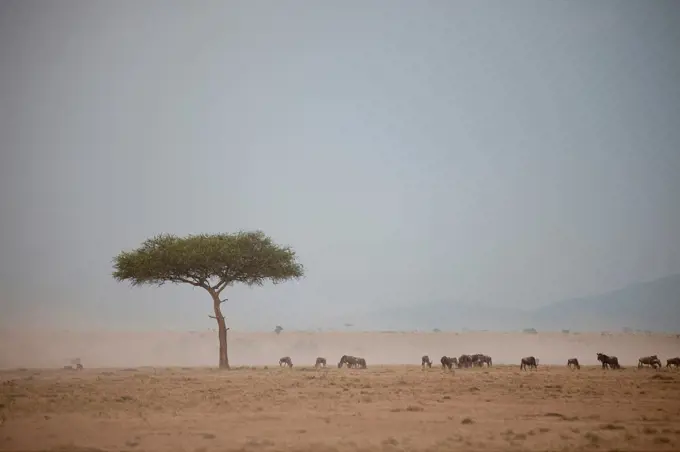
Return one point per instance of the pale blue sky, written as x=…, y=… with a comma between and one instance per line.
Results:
x=505, y=153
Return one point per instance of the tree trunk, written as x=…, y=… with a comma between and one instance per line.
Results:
x=221, y=331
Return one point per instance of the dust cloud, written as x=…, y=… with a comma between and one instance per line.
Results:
x=45, y=349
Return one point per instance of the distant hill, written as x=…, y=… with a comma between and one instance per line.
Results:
x=652, y=305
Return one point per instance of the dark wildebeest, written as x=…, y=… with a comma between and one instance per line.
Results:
x=608, y=361
x=465, y=361
x=652, y=361
x=320, y=362
x=573, y=362
x=361, y=362
x=447, y=362
x=351, y=361
x=286, y=361
x=528, y=363
x=673, y=362
x=425, y=361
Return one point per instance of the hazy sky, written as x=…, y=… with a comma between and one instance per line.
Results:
x=506, y=153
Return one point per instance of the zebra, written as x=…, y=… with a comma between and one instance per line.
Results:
x=448, y=362
x=320, y=362
x=286, y=361
x=465, y=361
x=425, y=361
x=484, y=359
x=351, y=361
x=477, y=359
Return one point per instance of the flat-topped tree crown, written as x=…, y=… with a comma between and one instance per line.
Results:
x=210, y=261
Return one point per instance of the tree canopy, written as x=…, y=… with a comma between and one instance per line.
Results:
x=210, y=261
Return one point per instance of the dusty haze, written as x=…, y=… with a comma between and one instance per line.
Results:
x=56, y=349
x=440, y=164
x=509, y=154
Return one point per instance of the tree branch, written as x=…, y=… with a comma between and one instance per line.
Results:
x=220, y=286
x=188, y=281
x=213, y=317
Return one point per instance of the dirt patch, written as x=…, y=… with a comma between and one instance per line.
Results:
x=380, y=408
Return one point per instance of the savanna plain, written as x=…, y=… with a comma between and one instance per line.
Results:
x=130, y=397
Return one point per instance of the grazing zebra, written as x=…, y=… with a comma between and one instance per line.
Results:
x=528, y=363
x=320, y=362
x=573, y=363
x=425, y=361
x=484, y=359
x=286, y=361
x=478, y=359
x=351, y=361
x=465, y=361
x=448, y=362
x=652, y=361
x=608, y=361
x=673, y=362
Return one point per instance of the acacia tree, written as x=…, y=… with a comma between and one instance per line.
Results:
x=212, y=262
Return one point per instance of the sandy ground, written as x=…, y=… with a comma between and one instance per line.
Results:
x=129, y=398
x=388, y=408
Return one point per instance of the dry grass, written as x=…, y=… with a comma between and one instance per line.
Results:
x=390, y=408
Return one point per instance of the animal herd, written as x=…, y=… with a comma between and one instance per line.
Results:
x=478, y=360
x=652, y=361
x=345, y=360
x=464, y=361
